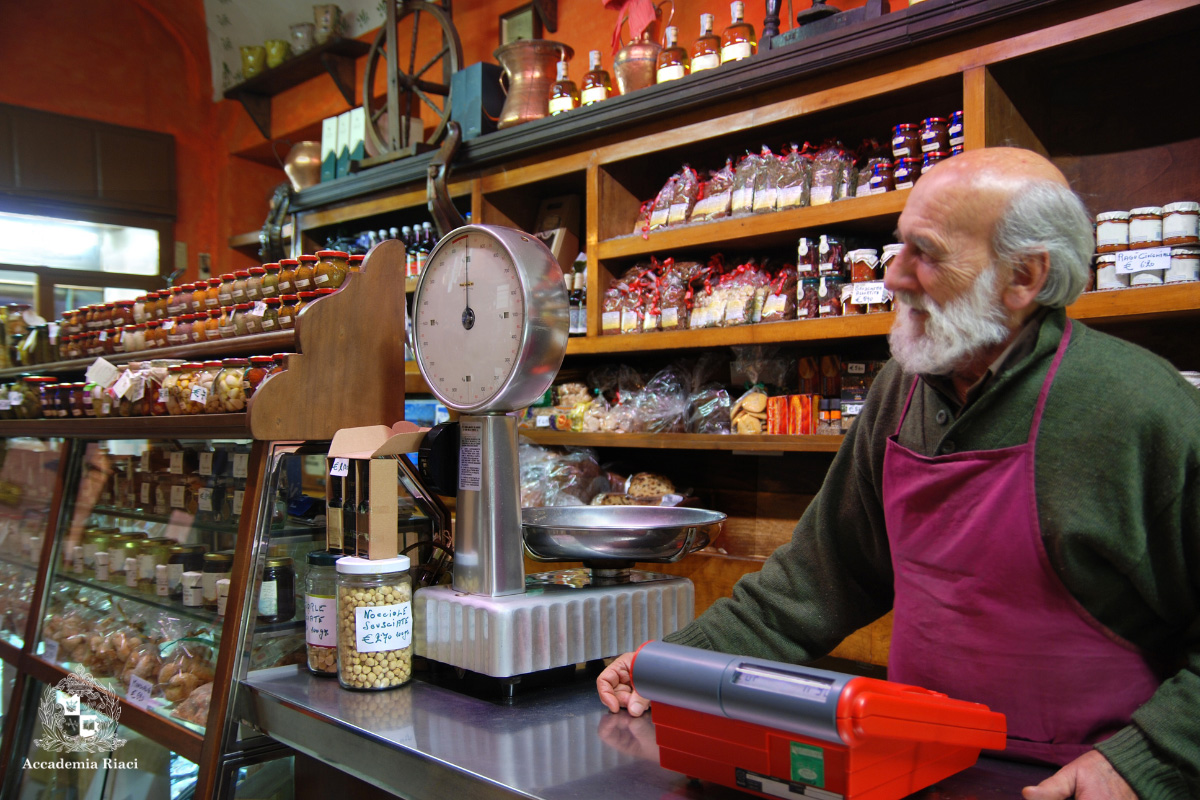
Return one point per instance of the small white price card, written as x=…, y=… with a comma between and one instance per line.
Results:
x=138, y=390
x=379, y=628
x=177, y=463
x=341, y=468
x=101, y=372
x=205, y=467
x=145, y=493
x=240, y=463
x=122, y=385
x=177, y=497
x=50, y=651
x=320, y=614
x=15, y=399
x=204, y=500
x=139, y=693
x=1152, y=258
x=869, y=292
x=259, y=309
x=199, y=394
x=238, y=496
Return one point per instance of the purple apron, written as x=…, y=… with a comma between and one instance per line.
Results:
x=979, y=612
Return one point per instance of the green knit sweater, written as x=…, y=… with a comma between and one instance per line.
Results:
x=1118, y=494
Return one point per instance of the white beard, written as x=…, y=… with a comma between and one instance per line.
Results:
x=954, y=334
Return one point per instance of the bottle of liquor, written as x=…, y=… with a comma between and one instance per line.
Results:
x=673, y=62
x=425, y=246
x=706, y=52
x=564, y=95
x=597, y=85
x=579, y=298
x=738, y=40
x=410, y=251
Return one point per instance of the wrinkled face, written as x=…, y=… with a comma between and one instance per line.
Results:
x=948, y=291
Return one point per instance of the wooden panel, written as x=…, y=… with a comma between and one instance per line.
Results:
x=1151, y=176
x=759, y=521
x=349, y=367
x=989, y=117
x=56, y=157
x=204, y=426
x=408, y=197
x=136, y=169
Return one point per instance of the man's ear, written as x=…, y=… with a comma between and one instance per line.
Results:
x=1026, y=280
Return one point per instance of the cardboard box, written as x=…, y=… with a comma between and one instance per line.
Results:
x=558, y=228
x=476, y=99
x=358, y=135
x=366, y=461
x=343, y=144
x=328, y=149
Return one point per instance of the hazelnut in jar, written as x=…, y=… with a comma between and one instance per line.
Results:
x=1145, y=228
x=1112, y=231
x=374, y=597
x=1181, y=224
x=305, y=273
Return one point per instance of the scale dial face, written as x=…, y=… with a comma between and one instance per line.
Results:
x=489, y=319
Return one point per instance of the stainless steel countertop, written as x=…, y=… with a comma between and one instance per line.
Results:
x=426, y=741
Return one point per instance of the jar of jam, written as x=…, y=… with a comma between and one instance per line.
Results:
x=332, y=267
x=906, y=171
x=1181, y=224
x=829, y=295
x=831, y=256
x=864, y=265
x=241, y=325
x=139, y=311
x=75, y=400
x=890, y=251
x=270, y=318
x=212, y=326
x=122, y=313
x=906, y=141
x=957, y=139
x=881, y=179
x=254, y=284
x=1112, y=231
x=180, y=559
x=39, y=388
x=270, y=281
x=216, y=567
x=287, y=276
x=226, y=327
x=277, y=592
x=355, y=262
x=256, y=373
x=935, y=135
x=238, y=291
x=212, y=295
x=199, y=295
x=225, y=290
x=1145, y=229
x=306, y=273
x=1185, y=265
x=933, y=158
x=155, y=337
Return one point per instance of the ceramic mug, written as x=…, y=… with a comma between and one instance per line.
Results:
x=254, y=58
x=328, y=21
x=277, y=52
x=302, y=37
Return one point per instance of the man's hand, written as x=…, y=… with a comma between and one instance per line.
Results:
x=1089, y=777
x=615, y=686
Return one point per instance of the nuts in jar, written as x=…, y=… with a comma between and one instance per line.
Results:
x=374, y=609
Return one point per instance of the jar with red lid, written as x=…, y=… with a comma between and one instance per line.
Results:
x=212, y=326
x=906, y=171
x=241, y=324
x=256, y=373
x=139, y=309
x=196, y=328
x=933, y=158
x=122, y=313
x=287, y=276
x=152, y=312
x=225, y=327
x=270, y=280
x=42, y=388
x=75, y=401
x=906, y=141
x=240, y=277
x=332, y=267
x=139, y=338
x=254, y=284
x=199, y=295
x=287, y=311
x=94, y=346
x=305, y=298
x=175, y=302
x=113, y=343
x=355, y=262
x=305, y=273
x=153, y=332
x=881, y=179
x=269, y=322
x=225, y=290
x=62, y=400
x=324, y=293
x=935, y=135
x=181, y=334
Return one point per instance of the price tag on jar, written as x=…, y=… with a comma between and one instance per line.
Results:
x=1152, y=258
x=50, y=651
x=177, y=463
x=4, y=404
x=15, y=399
x=101, y=372
x=140, y=691
x=869, y=293
x=379, y=628
x=205, y=467
x=238, y=496
x=240, y=462
x=341, y=468
x=138, y=390
x=177, y=494
x=259, y=309
x=123, y=383
x=199, y=394
x=103, y=336
x=164, y=395
x=204, y=500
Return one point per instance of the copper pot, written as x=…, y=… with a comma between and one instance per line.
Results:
x=529, y=67
x=635, y=62
x=303, y=165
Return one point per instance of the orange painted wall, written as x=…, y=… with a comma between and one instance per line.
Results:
x=140, y=63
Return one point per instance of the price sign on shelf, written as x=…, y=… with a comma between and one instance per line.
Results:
x=1153, y=258
x=177, y=463
x=869, y=292
x=341, y=468
x=139, y=693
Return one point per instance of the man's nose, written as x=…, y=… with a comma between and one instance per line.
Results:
x=900, y=274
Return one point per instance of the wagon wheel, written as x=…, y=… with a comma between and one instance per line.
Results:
x=409, y=84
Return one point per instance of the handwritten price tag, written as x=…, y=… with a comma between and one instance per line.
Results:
x=50, y=651
x=869, y=292
x=101, y=372
x=139, y=693
x=341, y=468
x=199, y=394
x=320, y=613
x=379, y=628
x=1131, y=261
x=204, y=501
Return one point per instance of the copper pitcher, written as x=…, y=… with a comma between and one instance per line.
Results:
x=636, y=62
x=529, y=67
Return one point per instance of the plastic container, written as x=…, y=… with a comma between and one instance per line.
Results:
x=374, y=608
x=320, y=612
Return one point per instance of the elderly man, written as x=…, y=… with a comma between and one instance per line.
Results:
x=1022, y=490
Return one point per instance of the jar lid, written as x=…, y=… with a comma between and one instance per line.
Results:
x=39, y=379
x=235, y=362
x=290, y=297
x=279, y=358
x=936, y=154
x=154, y=323
x=307, y=258
x=905, y=126
x=1109, y=216
x=218, y=558
x=1107, y=258
x=228, y=276
x=272, y=301
x=353, y=565
x=322, y=558
x=288, y=262
x=187, y=549
x=214, y=313
x=1146, y=210
x=257, y=271
x=279, y=561
x=214, y=281
x=272, y=265
x=893, y=248
x=242, y=273
x=134, y=535
x=152, y=296
x=908, y=161
x=331, y=254
x=357, y=257
x=1184, y=251
x=213, y=363
x=863, y=253
x=956, y=115
x=125, y=303
x=242, y=306
x=1183, y=205
x=261, y=360
x=307, y=295
x=192, y=365
x=175, y=368
x=934, y=120
x=127, y=327
x=325, y=291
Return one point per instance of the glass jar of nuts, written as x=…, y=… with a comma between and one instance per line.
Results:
x=374, y=610
x=320, y=612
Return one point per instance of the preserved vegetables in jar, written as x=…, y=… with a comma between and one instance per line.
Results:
x=257, y=371
x=228, y=385
x=332, y=267
x=287, y=276
x=305, y=273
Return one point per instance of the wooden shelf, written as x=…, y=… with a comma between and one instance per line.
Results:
x=202, y=426
x=875, y=211
x=251, y=240
x=750, y=443
x=1138, y=303
x=255, y=344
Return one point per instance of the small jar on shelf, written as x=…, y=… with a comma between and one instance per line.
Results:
x=226, y=328
x=183, y=558
x=256, y=373
x=305, y=298
x=331, y=269
x=673, y=61
x=270, y=280
x=269, y=322
x=151, y=553
x=706, y=51
x=564, y=95
x=305, y=273
x=277, y=591
x=240, y=278
x=216, y=567
x=212, y=325
x=225, y=290
x=367, y=660
x=320, y=612
x=287, y=275
x=227, y=384
x=287, y=311
x=199, y=293
x=254, y=284
x=212, y=295
x=241, y=325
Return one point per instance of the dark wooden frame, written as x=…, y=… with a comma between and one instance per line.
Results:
x=508, y=17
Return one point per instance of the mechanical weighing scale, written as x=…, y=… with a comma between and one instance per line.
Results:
x=781, y=730
x=489, y=333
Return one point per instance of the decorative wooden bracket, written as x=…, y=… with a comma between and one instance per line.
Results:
x=548, y=11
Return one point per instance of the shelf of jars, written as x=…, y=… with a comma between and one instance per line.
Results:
x=277, y=529
x=750, y=443
x=180, y=426
x=118, y=589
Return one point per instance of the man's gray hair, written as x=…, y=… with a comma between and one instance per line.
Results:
x=1045, y=216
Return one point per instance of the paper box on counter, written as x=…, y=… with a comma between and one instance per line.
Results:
x=365, y=460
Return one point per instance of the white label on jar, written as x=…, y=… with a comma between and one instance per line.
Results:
x=1144, y=230
x=15, y=399
x=610, y=320
x=138, y=390
x=131, y=573
x=322, y=278
x=175, y=576
x=122, y=384
x=204, y=500
x=594, y=95
x=168, y=325
x=1152, y=258
x=1180, y=225
x=146, y=492
x=177, y=497
x=904, y=185
x=205, y=467
x=470, y=456
x=268, y=324
x=77, y=561
x=208, y=585
x=237, y=502
x=106, y=408
x=869, y=293
x=560, y=104
x=341, y=468
x=821, y=195
x=670, y=73
x=162, y=580
x=302, y=283
x=268, y=599
x=199, y=394
x=177, y=463
x=285, y=287
x=1110, y=233
x=240, y=461
x=5, y=405
x=670, y=317
x=706, y=61
x=1107, y=277
x=285, y=322
x=238, y=293
x=320, y=615
x=193, y=596
x=268, y=291
x=103, y=337
x=227, y=331
x=164, y=395
x=101, y=566
x=381, y=628
x=146, y=565
x=735, y=52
